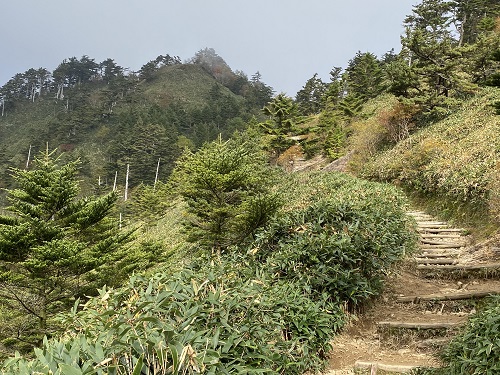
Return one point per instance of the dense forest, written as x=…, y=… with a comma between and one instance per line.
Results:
x=149, y=223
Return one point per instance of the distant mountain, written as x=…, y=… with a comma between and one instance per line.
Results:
x=109, y=117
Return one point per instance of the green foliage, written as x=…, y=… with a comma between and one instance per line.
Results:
x=454, y=159
x=147, y=148
x=55, y=245
x=444, y=64
x=338, y=237
x=270, y=308
x=476, y=349
x=282, y=112
x=226, y=186
x=222, y=321
x=311, y=97
x=364, y=76
x=105, y=116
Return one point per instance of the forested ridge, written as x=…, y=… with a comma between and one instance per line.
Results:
x=149, y=223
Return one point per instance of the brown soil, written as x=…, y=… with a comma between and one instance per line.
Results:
x=361, y=341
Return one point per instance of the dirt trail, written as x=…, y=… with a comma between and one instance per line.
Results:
x=425, y=303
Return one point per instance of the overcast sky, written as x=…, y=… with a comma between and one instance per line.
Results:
x=287, y=41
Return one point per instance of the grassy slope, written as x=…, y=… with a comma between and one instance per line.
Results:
x=186, y=84
x=455, y=162
x=43, y=121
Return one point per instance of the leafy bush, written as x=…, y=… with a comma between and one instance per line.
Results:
x=267, y=309
x=476, y=350
x=454, y=158
x=341, y=241
x=215, y=322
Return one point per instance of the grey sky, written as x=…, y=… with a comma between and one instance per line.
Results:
x=287, y=41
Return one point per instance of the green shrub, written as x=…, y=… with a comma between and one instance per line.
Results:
x=214, y=322
x=271, y=308
x=341, y=241
x=476, y=350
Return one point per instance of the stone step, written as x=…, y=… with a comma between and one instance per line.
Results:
x=434, y=242
x=461, y=267
x=442, y=261
x=433, y=344
x=441, y=230
x=431, y=235
x=424, y=227
x=447, y=297
x=437, y=254
x=432, y=223
x=441, y=246
x=373, y=367
x=419, y=325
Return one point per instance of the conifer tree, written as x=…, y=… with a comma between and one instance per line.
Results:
x=310, y=98
x=226, y=186
x=282, y=112
x=434, y=56
x=364, y=76
x=54, y=245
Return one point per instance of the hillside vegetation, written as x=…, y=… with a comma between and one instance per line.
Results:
x=111, y=118
x=226, y=263
x=243, y=311
x=454, y=161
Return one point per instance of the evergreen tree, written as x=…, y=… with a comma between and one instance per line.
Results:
x=54, y=246
x=282, y=112
x=472, y=17
x=435, y=57
x=109, y=70
x=310, y=98
x=142, y=145
x=335, y=89
x=364, y=76
x=226, y=186
x=259, y=94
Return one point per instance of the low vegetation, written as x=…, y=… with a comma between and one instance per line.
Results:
x=454, y=161
x=476, y=350
x=267, y=305
x=238, y=267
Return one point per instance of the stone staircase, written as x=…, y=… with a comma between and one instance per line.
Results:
x=428, y=302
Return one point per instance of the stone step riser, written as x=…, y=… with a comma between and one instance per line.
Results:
x=438, y=261
x=440, y=230
x=442, y=243
x=436, y=247
x=430, y=235
x=367, y=367
x=433, y=255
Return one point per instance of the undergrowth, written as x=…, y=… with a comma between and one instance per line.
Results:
x=476, y=349
x=454, y=161
x=268, y=308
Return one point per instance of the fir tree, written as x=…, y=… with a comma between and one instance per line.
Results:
x=226, y=186
x=54, y=245
x=364, y=76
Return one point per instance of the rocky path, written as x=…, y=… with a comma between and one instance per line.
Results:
x=425, y=304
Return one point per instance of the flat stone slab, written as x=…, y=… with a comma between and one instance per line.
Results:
x=447, y=297
x=402, y=369
x=419, y=325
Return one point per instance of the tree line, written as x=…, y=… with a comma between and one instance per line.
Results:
x=448, y=49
